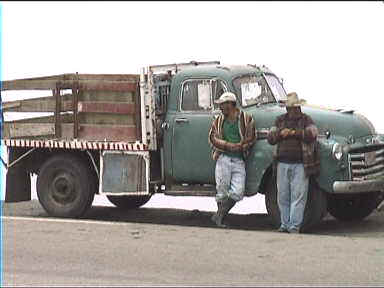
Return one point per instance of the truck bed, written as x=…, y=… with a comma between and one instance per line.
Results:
x=89, y=110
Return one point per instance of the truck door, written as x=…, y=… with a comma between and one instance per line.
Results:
x=191, y=153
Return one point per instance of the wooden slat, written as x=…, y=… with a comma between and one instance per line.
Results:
x=108, y=132
x=36, y=130
x=76, y=76
x=106, y=107
x=109, y=77
x=16, y=130
x=33, y=85
x=106, y=96
x=65, y=118
x=106, y=118
x=41, y=104
x=106, y=85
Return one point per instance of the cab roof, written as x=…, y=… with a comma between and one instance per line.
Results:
x=224, y=71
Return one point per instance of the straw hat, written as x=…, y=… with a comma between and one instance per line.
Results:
x=293, y=100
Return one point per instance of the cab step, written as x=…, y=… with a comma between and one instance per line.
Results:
x=191, y=190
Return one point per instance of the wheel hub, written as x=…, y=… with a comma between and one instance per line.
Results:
x=63, y=188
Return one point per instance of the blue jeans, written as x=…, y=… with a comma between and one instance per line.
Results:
x=292, y=194
x=230, y=178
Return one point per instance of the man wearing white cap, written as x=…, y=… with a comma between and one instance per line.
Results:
x=231, y=136
x=295, y=135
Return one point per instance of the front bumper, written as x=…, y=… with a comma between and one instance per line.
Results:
x=359, y=186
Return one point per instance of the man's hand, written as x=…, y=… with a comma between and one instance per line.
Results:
x=235, y=147
x=285, y=132
x=292, y=132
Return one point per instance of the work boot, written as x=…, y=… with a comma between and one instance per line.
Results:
x=222, y=212
x=282, y=229
x=228, y=206
x=217, y=218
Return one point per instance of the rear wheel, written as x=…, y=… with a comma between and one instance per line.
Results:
x=315, y=209
x=352, y=207
x=129, y=202
x=65, y=187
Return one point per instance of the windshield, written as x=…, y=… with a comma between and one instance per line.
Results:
x=276, y=87
x=259, y=90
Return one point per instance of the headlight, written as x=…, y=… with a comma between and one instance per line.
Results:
x=337, y=151
x=378, y=139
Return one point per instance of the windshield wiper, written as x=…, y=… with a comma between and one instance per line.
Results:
x=269, y=102
x=260, y=103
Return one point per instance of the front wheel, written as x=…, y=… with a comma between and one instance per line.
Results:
x=315, y=209
x=65, y=187
x=352, y=207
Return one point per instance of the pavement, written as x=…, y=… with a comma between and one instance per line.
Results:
x=174, y=247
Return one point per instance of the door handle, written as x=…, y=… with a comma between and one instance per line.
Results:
x=164, y=126
x=181, y=120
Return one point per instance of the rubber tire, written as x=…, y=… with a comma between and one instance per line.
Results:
x=129, y=202
x=315, y=209
x=74, y=173
x=352, y=207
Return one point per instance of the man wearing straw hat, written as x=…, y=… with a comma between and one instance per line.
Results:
x=231, y=136
x=295, y=135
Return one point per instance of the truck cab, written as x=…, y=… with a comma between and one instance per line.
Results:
x=350, y=184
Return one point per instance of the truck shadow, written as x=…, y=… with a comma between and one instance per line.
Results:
x=372, y=226
x=368, y=227
x=180, y=217
x=256, y=222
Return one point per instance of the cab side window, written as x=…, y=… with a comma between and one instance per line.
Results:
x=196, y=95
x=218, y=88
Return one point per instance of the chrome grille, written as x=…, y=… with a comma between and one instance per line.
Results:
x=368, y=165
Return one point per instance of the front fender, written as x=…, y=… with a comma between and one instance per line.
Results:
x=331, y=170
x=259, y=160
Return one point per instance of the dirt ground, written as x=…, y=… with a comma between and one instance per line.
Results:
x=158, y=246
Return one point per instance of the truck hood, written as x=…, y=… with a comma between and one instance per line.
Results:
x=338, y=123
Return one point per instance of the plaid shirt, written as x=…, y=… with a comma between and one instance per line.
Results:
x=307, y=133
x=247, y=133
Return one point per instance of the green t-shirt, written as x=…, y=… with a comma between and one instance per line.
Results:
x=231, y=134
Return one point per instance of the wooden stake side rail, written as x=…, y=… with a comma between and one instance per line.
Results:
x=102, y=107
x=73, y=144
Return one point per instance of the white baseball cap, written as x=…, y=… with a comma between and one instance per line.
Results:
x=226, y=97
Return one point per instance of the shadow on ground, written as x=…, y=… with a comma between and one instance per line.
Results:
x=369, y=227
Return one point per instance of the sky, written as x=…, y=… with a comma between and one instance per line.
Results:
x=330, y=53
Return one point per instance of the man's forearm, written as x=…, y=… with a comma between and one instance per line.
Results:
x=310, y=134
x=225, y=145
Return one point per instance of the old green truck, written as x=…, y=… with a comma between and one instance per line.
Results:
x=128, y=136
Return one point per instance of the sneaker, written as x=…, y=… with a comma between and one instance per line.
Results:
x=282, y=229
x=294, y=231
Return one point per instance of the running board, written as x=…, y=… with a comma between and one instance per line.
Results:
x=191, y=190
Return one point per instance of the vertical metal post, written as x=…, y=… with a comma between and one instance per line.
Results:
x=75, y=101
x=137, y=100
x=57, y=111
x=143, y=95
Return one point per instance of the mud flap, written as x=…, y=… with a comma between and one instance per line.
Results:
x=18, y=179
x=124, y=173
